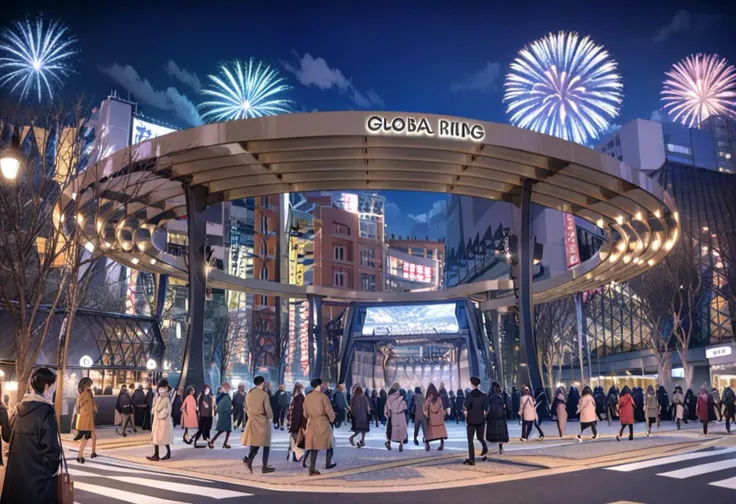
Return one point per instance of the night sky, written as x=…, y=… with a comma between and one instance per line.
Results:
x=433, y=57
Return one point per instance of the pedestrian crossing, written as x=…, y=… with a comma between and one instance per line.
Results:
x=717, y=464
x=97, y=483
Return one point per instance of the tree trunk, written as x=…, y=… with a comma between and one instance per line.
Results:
x=581, y=335
x=664, y=370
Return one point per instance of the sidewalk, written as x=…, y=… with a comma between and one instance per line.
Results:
x=107, y=437
x=374, y=468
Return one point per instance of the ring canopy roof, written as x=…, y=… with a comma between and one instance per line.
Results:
x=124, y=198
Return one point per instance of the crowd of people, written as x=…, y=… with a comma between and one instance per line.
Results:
x=312, y=414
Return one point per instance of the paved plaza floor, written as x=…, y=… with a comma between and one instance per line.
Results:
x=374, y=467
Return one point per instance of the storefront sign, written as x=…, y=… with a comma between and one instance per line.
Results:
x=421, y=126
x=572, y=254
x=721, y=351
x=86, y=361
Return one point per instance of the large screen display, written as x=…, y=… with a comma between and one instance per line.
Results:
x=405, y=320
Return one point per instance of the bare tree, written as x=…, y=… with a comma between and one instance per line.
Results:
x=258, y=339
x=228, y=333
x=685, y=278
x=33, y=245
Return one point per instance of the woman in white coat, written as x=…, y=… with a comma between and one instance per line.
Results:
x=586, y=409
x=162, y=427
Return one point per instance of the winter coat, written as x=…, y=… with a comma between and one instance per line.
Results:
x=206, y=405
x=189, y=413
x=258, y=428
x=678, y=401
x=320, y=416
x=417, y=407
x=586, y=408
x=139, y=398
x=239, y=402
x=515, y=400
x=225, y=413
x=87, y=408
x=703, y=409
x=341, y=404
x=176, y=408
x=394, y=411
x=284, y=400
x=35, y=454
x=162, y=425
x=435, y=420
x=600, y=402
x=476, y=404
x=4, y=430
x=297, y=420
x=497, y=430
x=559, y=409
x=626, y=409
x=360, y=410
x=459, y=405
x=124, y=405
x=527, y=408
x=652, y=406
x=445, y=398
x=573, y=397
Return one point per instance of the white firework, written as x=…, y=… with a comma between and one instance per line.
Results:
x=698, y=87
x=564, y=85
x=244, y=90
x=36, y=57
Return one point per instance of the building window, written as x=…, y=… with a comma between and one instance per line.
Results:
x=264, y=248
x=264, y=272
x=368, y=257
x=368, y=230
x=264, y=224
x=367, y=282
x=264, y=300
x=679, y=149
x=338, y=278
x=264, y=201
x=338, y=253
x=340, y=229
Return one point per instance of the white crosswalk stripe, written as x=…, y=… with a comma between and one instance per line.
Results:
x=134, y=485
x=696, y=464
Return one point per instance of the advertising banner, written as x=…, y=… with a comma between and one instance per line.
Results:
x=572, y=254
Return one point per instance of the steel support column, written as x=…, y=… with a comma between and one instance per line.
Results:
x=193, y=366
x=310, y=334
x=527, y=342
x=319, y=338
x=496, y=334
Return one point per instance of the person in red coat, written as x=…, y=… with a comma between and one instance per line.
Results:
x=626, y=413
x=704, y=405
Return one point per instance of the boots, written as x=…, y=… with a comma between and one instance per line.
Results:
x=329, y=464
x=168, y=453
x=154, y=458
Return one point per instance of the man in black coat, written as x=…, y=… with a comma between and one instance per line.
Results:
x=476, y=407
x=515, y=403
x=139, y=405
x=35, y=454
x=149, y=407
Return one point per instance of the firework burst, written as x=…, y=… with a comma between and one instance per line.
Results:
x=698, y=87
x=243, y=90
x=563, y=85
x=36, y=57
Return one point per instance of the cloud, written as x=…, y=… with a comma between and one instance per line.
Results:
x=660, y=116
x=169, y=99
x=437, y=213
x=684, y=21
x=483, y=80
x=183, y=76
x=316, y=72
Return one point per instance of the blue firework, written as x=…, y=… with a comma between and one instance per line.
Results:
x=243, y=90
x=37, y=56
x=563, y=85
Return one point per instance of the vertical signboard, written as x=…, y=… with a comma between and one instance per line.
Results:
x=572, y=254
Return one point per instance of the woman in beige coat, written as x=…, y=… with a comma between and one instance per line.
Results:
x=162, y=426
x=86, y=408
x=559, y=410
x=586, y=408
x=527, y=412
x=320, y=417
x=257, y=431
x=435, y=414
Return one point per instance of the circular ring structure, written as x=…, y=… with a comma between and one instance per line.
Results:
x=124, y=200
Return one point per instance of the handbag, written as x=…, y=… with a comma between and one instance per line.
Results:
x=65, y=485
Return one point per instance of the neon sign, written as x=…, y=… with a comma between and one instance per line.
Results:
x=421, y=126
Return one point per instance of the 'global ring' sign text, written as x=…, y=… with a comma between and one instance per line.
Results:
x=421, y=126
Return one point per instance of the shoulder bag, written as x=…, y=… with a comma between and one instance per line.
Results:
x=65, y=485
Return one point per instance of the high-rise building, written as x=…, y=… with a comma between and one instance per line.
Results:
x=413, y=264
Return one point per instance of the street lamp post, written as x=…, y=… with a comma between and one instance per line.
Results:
x=10, y=159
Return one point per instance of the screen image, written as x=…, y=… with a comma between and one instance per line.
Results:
x=404, y=320
x=144, y=130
